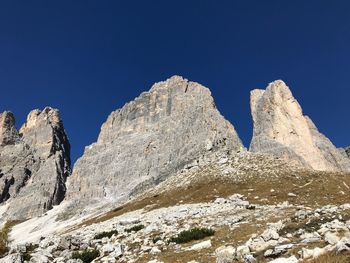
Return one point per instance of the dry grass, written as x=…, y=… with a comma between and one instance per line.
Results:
x=306, y=185
x=4, y=236
x=332, y=258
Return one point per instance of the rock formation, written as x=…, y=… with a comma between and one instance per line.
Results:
x=150, y=139
x=281, y=129
x=347, y=150
x=34, y=163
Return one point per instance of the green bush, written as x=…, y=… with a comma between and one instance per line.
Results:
x=192, y=234
x=26, y=256
x=106, y=234
x=86, y=256
x=134, y=228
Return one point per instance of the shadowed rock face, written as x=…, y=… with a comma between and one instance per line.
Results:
x=280, y=128
x=347, y=150
x=8, y=131
x=34, y=163
x=150, y=139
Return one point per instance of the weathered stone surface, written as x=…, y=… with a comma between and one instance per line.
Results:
x=8, y=131
x=347, y=151
x=150, y=139
x=281, y=129
x=34, y=163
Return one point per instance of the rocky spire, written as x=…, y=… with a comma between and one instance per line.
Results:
x=280, y=128
x=8, y=131
x=150, y=139
x=34, y=170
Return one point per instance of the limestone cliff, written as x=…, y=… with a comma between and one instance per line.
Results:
x=34, y=163
x=280, y=128
x=149, y=139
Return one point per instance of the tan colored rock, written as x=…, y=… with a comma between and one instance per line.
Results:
x=149, y=139
x=281, y=129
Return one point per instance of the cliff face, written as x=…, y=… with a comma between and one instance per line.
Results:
x=150, y=139
x=281, y=129
x=34, y=163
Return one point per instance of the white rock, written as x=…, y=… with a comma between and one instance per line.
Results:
x=313, y=253
x=225, y=254
x=331, y=238
x=241, y=251
x=155, y=250
x=291, y=259
x=201, y=245
x=270, y=234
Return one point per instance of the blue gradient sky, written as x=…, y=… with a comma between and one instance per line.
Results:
x=88, y=58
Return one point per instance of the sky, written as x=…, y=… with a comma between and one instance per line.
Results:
x=88, y=58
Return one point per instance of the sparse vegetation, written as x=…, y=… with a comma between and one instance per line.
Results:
x=134, y=228
x=26, y=256
x=108, y=234
x=332, y=258
x=86, y=256
x=155, y=239
x=192, y=234
x=4, y=237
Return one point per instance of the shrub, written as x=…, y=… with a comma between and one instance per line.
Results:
x=134, y=228
x=192, y=234
x=108, y=234
x=26, y=256
x=86, y=256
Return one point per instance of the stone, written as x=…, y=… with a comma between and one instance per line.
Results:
x=176, y=117
x=291, y=259
x=343, y=245
x=225, y=254
x=34, y=163
x=201, y=245
x=269, y=234
x=241, y=251
x=249, y=258
x=313, y=253
x=281, y=129
x=331, y=238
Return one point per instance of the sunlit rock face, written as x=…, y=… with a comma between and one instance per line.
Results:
x=149, y=139
x=34, y=163
x=281, y=129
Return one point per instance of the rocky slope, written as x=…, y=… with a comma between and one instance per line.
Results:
x=149, y=139
x=34, y=164
x=280, y=128
x=261, y=209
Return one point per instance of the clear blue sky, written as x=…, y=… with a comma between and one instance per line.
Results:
x=88, y=58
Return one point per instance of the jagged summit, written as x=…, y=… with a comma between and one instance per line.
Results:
x=34, y=163
x=150, y=139
x=281, y=128
x=8, y=131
